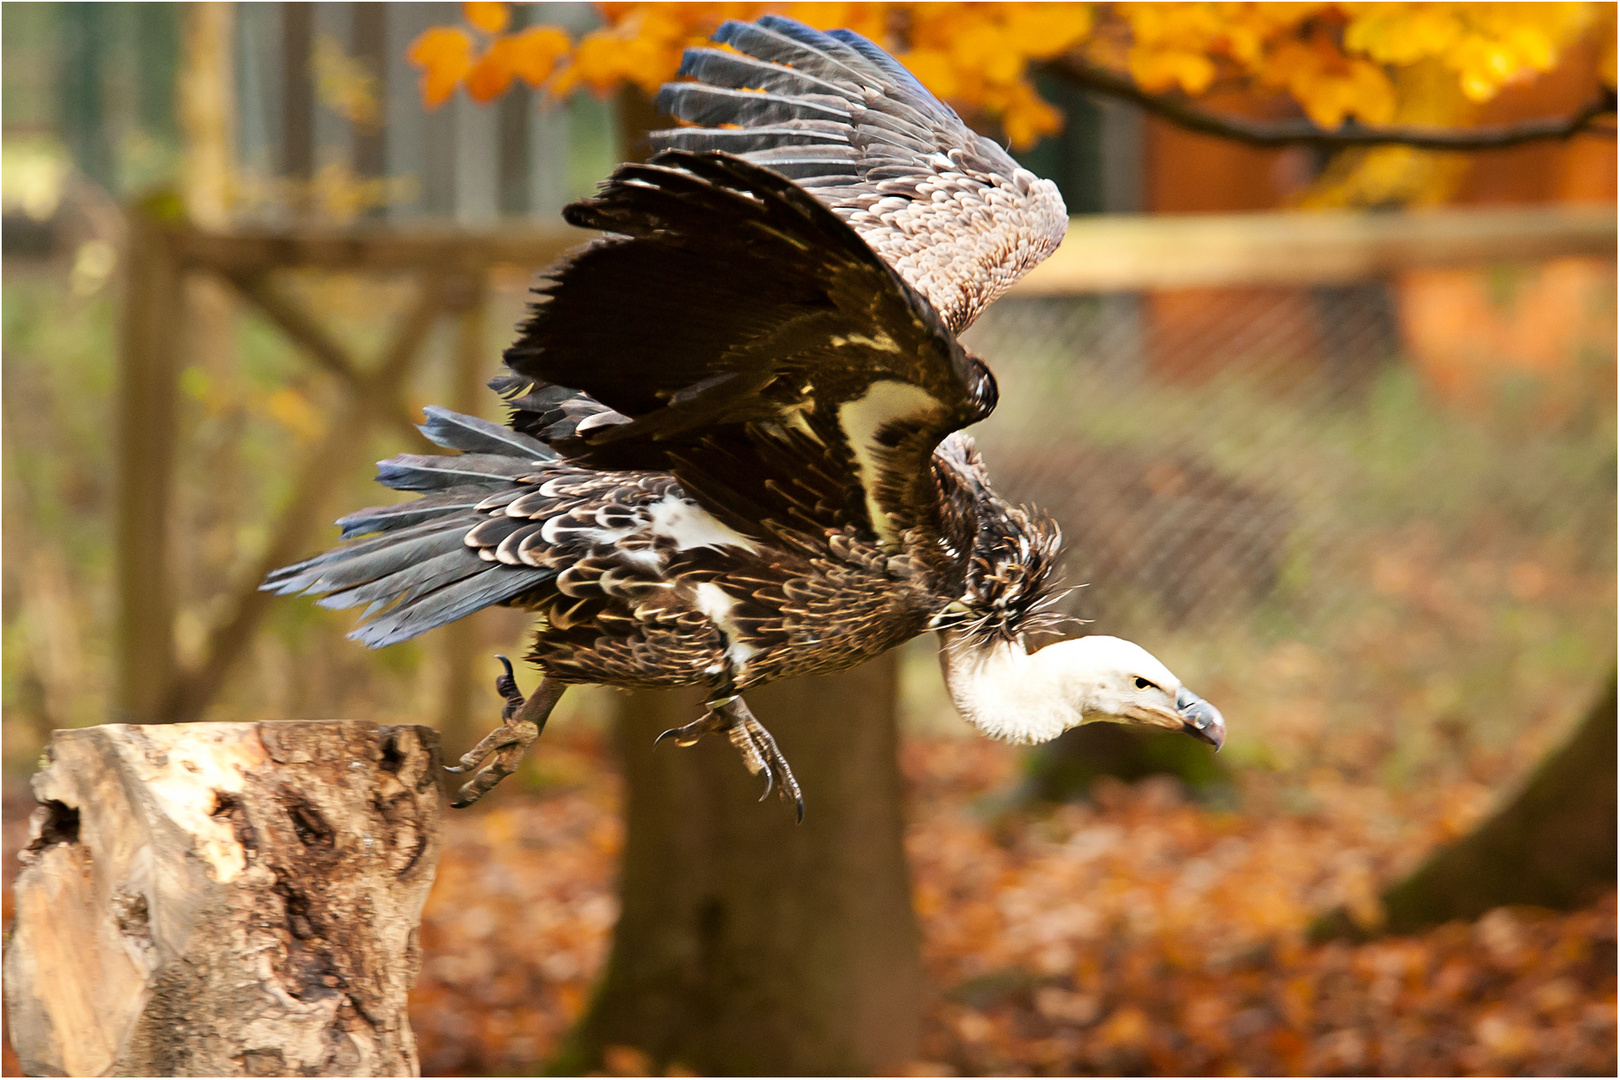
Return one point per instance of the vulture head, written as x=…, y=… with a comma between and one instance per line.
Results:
x=1012, y=694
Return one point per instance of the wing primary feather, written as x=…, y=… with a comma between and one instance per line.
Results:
x=401, y=515
x=746, y=140
x=996, y=219
x=473, y=434
x=499, y=583
x=769, y=42
x=741, y=72
x=702, y=104
x=418, y=472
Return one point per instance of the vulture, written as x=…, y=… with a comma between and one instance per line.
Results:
x=735, y=448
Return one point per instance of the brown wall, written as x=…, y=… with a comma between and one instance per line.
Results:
x=1191, y=173
x=1580, y=170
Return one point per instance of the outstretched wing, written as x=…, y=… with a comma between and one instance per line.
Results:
x=744, y=338
x=947, y=208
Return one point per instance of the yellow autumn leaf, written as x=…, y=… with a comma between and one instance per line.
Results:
x=1401, y=33
x=934, y=70
x=987, y=52
x=868, y=20
x=1606, y=36
x=534, y=53
x=1026, y=118
x=445, y=55
x=295, y=412
x=1337, y=60
x=1158, y=70
x=491, y=18
x=601, y=61
x=492, y=74
x=1045, y=30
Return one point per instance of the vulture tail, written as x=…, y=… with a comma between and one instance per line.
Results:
x=415, y=571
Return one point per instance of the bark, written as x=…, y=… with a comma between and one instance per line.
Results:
x=224, y=899
x=1552, y=845
x=747, y=944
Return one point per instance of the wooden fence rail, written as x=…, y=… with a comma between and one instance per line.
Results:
x=1137, y=253
x=1101, y=254
x=451, y=271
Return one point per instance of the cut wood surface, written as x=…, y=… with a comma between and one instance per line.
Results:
x=224, y=899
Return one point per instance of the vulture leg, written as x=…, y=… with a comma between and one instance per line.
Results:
x=521, y=724
x=731, y=717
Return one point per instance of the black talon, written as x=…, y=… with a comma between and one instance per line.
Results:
x=506, y=686
x=759, y=750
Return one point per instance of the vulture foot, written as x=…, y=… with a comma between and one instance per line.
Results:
x=521, y=724
x=760, y=753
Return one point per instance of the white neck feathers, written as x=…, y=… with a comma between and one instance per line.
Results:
x=1007, y=693
x=1010, y=694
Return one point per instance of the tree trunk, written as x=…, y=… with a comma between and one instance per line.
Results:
x=1552, y=846
x=748, y=944
x=224, y=899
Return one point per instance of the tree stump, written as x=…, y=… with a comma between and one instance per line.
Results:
x=224, y=899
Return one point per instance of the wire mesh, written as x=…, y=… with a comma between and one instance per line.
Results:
x=1293, y=494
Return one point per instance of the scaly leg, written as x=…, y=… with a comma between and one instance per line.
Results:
x=759, y=750
x=521, y=724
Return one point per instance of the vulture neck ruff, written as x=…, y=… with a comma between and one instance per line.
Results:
x=1013, y=695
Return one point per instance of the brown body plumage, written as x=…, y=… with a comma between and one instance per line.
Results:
x=651, y=591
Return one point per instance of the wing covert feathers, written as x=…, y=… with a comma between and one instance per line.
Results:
x=950, y=210
x=733, y=331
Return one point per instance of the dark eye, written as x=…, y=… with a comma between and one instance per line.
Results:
x=1143, y=684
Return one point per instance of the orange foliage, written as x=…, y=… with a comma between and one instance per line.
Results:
x=444, y=54
x=1338, y=62
x=488, y=15
x=530, y=56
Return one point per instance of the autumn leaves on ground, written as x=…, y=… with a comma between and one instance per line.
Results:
x=1141, y=933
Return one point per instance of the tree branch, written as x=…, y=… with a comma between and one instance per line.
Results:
x=1304, y=133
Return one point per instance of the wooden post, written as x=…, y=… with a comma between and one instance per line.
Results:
x=146, y=403
x=461, y=643
x=191, y=692
x=224, y=899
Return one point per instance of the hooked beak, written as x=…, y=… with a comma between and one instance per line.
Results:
x=1200, y=718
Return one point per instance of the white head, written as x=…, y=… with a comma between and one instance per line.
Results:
x=1009, y=693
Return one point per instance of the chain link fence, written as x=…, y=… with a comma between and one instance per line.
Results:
x=1376, y=521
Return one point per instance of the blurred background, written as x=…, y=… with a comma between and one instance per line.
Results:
x=1329, y=429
